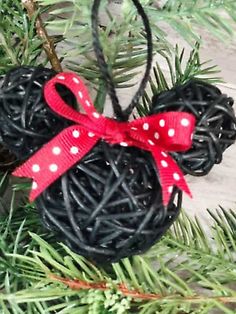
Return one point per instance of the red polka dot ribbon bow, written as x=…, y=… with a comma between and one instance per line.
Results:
x=159, y=134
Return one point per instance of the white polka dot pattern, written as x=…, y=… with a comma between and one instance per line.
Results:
x=164, y=164
x=170, y=189
x=162, y=123
x=176, y=176
x=34, y=185
x=53, y=167
x=75, y=80
x=96, y=115
x=74, y=150
x=56, y=150
x=171, y=132
x=185, y=122
x=164, y=154
x=91, y=134
x=151, y=142
x=36, y=168
x=146, y=126
x=76, y=134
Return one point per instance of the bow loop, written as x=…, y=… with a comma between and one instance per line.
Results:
x=158, y=134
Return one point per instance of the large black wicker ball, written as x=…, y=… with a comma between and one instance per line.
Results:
x=26, y=121
x=216, y=123
x=109, y=206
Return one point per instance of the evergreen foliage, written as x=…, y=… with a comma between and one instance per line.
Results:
x=18, y=43
x=73, y=21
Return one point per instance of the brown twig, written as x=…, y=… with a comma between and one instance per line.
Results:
x=48, y=43
x=78, y=285
x=135, y=294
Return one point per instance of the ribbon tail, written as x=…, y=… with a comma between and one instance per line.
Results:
x=56, y=157
x=170, y=175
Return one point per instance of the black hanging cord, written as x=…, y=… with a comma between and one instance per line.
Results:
x=102, y=63
x=119, y=113
x=146, y=76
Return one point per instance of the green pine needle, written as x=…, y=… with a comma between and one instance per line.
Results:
x=19, y=44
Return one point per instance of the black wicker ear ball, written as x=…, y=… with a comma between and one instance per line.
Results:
x=26, y=122
x=8, y=161
x=215, y=128
x=109, y=206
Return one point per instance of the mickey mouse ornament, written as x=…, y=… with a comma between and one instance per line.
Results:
x=103, y=183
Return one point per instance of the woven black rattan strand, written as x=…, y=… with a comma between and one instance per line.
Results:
x=216, y=123
x=8, y=161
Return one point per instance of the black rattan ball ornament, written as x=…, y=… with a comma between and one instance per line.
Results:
x=109, y=205
x=26, y=121
x=215, y=127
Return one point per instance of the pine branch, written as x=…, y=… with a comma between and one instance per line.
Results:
x=125, y=56
x=48, y=43
x=102, y=286
x=123, y=41
x=135, y=294
x=135, y=282
x=179, y=70
x=217, y=17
